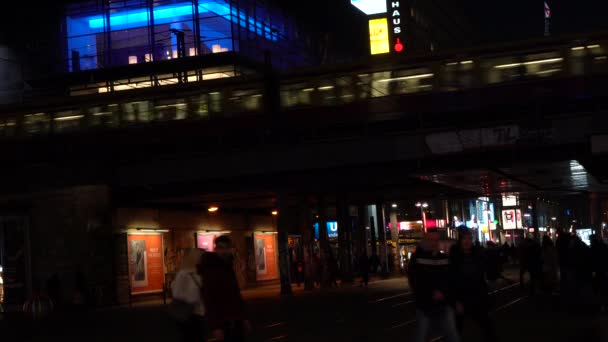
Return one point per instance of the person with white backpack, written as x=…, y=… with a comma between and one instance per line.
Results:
x=187, y=307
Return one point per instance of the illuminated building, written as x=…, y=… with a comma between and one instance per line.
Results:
x=102, y=35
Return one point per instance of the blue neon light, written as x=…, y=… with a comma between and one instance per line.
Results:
x=184, y=9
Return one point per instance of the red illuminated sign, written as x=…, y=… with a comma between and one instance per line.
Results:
x=398, y=45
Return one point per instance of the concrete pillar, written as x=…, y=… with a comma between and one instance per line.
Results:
x=324, y=247
x=395, y=238
x=282, y=239
x=344, y=239
x=383, y=254
x=362, y=229
x=595, y=212
x=306, y=230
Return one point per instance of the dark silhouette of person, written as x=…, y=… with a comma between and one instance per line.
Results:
x=364, y=268
x=470, y=289
x=429, y=275
x=550, y=265
x=562, y=245
x=530, y=262
x=224, y=305
x=599, y=259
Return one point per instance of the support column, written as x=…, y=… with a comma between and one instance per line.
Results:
x=306, y=230
x=324, y=248
x=283, y=231
x=395, y=239
x=382, y=236
x=595, y=213
x=344, y=229
x=361, y=229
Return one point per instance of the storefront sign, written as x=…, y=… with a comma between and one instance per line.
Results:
x=509, y=201
x=378, y=36
x=265, y=256
x=145, y=255
x=332, y=229
x=395, y=16
x=205, y=241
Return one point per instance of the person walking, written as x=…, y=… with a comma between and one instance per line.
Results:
x=186, y=288
x=429, y=276
x=562, y=245
x=470, y=288
x=364, y=268
x=225, y=307
x=599, y=257
x=530, y=262
x=550, y=265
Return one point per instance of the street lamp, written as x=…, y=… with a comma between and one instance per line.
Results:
x=422, y=206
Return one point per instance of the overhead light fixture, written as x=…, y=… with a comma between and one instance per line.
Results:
x=274, y=213
x=394, y=205
x=152, y=230
x=213, y=209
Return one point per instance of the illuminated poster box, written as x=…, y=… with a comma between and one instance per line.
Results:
x=378, y=36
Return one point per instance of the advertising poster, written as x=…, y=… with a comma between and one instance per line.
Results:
x=205, y=241
x=145, y=263
x=265, y=256
x=378, y=36
x=511, y=219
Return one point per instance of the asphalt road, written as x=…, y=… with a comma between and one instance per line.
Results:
x=382, y=312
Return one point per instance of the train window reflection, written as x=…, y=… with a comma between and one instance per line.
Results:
x=138, y=111
x=69, y=120
x=170, y=110
x=36, y=123
x=405, y=81
x=8, y=127
x=246, y=100
x=104, y=115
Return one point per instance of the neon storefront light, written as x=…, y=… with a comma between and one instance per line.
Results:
x=140, y=17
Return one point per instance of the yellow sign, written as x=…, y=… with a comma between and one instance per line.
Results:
x=378, y=36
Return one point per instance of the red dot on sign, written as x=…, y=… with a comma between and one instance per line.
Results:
x=398, y=46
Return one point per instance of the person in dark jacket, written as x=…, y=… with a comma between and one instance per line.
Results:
x=470, y=289
x=599, y=259
x=429, y=277
x=530, y=262
x=225, y=308
x=364, y=268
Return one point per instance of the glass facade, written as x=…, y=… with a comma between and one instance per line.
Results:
x=103, y=33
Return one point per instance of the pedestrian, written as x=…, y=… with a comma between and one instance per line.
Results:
x=530, y=262
x=599, y=257
x=429, y=276
x=364, y=268
x=186, y=290
x=582, y=266
x=225, y=307
x=493, y=262
x=562, y=245
x=506, y=253
x=550, y=265
x=332, y=269
x=391, y=262
x=470, y=289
